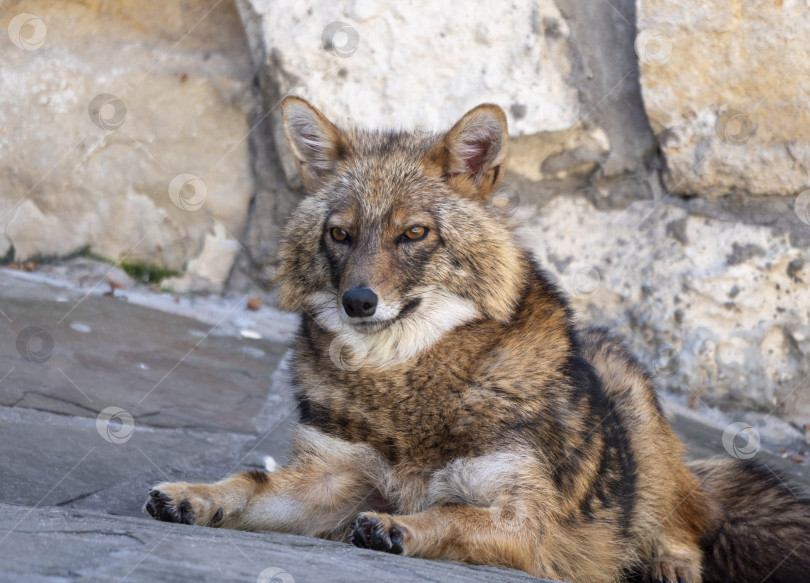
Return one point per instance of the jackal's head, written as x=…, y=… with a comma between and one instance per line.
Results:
x=396, y=243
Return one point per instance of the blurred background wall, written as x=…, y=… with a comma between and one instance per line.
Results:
x=660, y=154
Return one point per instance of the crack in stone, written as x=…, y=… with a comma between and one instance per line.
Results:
x=103, y=532
x=54, y=398
x=79, y=497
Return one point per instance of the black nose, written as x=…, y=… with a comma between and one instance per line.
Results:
x=360, y=302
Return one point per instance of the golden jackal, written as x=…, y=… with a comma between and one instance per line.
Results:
x=471, y=419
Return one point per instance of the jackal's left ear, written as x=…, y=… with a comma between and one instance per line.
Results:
x=317, y=144
x=474, y=151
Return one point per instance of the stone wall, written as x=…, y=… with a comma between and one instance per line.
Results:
x=575, y=113
x=659, y=154
x=725, y=86
x=123, y=129
x=717, y=308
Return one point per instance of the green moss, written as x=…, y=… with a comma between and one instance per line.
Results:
x=143, y=272
x=89, y=254
x=137, y=270
x=85, y=252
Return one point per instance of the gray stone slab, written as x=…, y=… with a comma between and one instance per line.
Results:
x=705, y=441
x=127, y=496
x=76, y=355
x=47, y=459
x=62, y=545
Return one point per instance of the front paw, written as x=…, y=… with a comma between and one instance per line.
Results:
x=184, y=503
x=377, y=532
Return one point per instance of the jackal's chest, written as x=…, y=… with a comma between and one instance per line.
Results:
x=419, y=416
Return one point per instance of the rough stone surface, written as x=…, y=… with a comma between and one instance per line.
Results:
x=566, y=77
x=273, y=201
x=74, y=461
x=173, y=371
x=725, y=87
x=606, y=75
x=57, y=545
x=202, y=401
x=79, y=170
x=719, y=309
x=422, y=64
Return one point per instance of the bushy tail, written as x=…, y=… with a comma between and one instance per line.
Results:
x=763, y=531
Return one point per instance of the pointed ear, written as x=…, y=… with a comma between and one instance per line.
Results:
x=475, y=151
x=317, y=144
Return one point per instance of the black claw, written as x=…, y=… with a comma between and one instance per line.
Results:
x=158, y=495
x=185, y=513
x=167, y=514
x=369, y=533
x=396, y=540
x=158, y=508
x=218, y=516
x=361, y=532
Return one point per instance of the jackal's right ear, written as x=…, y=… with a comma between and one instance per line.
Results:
x=473, y=152
x=317, y=144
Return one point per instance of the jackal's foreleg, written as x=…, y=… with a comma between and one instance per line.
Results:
x=487, y=536
x=318, y=494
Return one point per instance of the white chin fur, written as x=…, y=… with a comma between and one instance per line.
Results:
x=438, y=312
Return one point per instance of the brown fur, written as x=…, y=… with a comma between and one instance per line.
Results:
x=471, y=419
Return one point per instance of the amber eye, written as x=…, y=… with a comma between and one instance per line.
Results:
x=414, y=234
x=339, y=234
